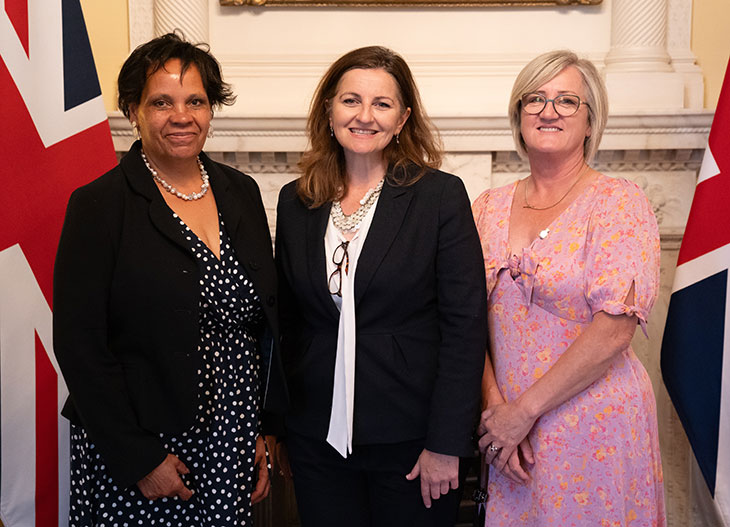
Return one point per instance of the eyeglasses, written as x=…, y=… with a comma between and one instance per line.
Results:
x=339, y=257
x=564, y=105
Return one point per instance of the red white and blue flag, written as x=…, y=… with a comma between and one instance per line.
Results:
x=696, y=346
x=54, y=137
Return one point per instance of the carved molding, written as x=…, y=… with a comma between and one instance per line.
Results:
x=650, y=144
x=504, y=162
x=660, y=160
x=260, y=162
x=654, y=131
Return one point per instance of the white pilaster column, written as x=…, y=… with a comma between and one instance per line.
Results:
x=639, y=74
x=190, y=16
x=141, y=22
x=679, y=46
x=638, y=36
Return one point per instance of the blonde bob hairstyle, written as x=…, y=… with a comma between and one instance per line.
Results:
x=324, y=176
x=546, y=67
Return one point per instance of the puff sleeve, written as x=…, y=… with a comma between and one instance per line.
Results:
x=622, y=249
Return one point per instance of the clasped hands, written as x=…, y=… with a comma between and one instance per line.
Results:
x=503, y=430
x=165, y=481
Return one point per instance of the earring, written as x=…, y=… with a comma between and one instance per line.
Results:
x=332, y=131
x=135, y=131
x=397, y=138
x=210, y=131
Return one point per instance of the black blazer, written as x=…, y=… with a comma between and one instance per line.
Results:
x=420, y=300
x=126, y=294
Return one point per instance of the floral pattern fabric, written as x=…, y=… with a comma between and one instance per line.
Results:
x=597, y=454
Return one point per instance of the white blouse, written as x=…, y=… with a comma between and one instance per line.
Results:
x=343, y=394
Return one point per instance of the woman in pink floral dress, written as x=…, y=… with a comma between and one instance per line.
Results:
x=572, y=264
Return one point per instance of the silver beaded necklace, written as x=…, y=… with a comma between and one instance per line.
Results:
x=172, y=190
x=350, y=223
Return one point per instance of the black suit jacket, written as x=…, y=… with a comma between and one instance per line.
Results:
x=126, y=295
x=420, y=301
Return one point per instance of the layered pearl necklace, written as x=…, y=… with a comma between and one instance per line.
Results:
x=172, y=190
x=352, y=222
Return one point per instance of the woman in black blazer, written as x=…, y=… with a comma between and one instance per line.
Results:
x=165, y=323
x=382, y=306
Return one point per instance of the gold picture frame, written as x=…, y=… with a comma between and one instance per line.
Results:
x=407, y=3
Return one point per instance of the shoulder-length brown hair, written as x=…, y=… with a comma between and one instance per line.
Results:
x=323, y=176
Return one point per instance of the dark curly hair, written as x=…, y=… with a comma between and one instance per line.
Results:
x=150, y=57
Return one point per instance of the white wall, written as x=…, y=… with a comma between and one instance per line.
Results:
x=464, y=60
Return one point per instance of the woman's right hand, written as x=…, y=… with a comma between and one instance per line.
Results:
x=165, y=481
x=513, y=463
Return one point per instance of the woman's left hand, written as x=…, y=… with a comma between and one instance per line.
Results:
x=261, y=464
x=517, y=466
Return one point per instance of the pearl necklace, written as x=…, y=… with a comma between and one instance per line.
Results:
x=528, y=206
x=172, y=190
x=350, y=223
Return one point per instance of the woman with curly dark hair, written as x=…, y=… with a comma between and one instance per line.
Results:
x=165, y=323
x=383, y=312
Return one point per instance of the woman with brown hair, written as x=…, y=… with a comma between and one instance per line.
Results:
x=382, y=306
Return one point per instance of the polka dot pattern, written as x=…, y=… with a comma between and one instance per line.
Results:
x=219, y=449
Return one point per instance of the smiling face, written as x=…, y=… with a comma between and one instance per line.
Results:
x=548, y=132
x=366, y=112
x=173, y=114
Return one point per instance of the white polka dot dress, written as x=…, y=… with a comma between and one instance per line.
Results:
x=219, y=449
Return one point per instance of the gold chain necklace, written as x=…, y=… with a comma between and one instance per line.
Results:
x=528, y=206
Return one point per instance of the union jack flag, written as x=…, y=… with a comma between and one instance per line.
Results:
x=54, y=137
x=695, y=368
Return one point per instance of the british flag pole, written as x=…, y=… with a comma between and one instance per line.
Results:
x=54, y=138
x=695, y=355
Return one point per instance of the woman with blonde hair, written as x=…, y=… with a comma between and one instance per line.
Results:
x=572, y=265
x=382, y=306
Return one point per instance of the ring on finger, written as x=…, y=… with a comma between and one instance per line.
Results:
x=493, y=449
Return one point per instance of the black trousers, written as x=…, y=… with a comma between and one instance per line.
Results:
x=368, y=489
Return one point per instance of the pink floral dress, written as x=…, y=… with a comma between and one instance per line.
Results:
x=597, y=454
